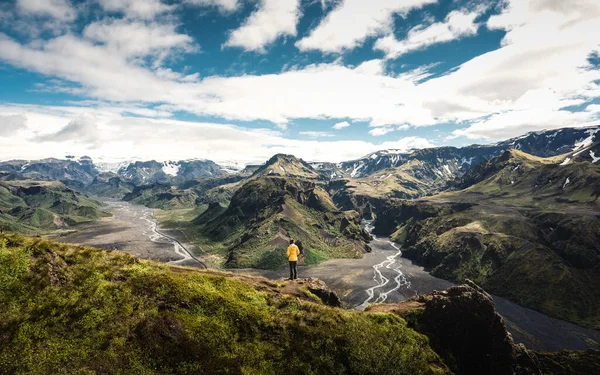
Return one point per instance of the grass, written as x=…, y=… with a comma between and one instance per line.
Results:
x=78, y=310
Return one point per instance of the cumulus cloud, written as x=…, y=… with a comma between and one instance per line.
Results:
x=348, y=25
x=272, y=19
x=457, y=24
x=542, y=64
x=315, y=134
x=341, y=125
x=381, y=131
x=509, y=124
x=58, y=9
x=11, y=124
x=146, y=9
x=224, y=5
x=138, y=39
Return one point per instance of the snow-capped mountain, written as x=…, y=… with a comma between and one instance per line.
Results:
x=453, y=161
x=80, y=170
x=147, y=172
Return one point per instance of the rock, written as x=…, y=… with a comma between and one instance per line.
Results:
x=464, y=328
x=320, y=289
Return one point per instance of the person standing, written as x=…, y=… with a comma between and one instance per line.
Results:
x=292, y=252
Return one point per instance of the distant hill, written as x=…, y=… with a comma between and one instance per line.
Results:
x=82, y=170
x=110, y=185
x=394, y=174
x=148, y=172
x=33, y=206
x=459, y=160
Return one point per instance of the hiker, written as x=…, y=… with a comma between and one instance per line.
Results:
x=292, y=252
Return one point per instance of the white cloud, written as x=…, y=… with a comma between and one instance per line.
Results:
x=126, y=138
x=542, y=65
x=387, y=129
x=224, y=5
x=512, y=123
x=348, y=25
x=11, y=124
x=408, y=143
x=341, y=125
x=314, y=134
x=457, y=24
x=58, y=9
x=82, y=129
x=145, y=9
x=139, y=39
x=381, y=131
x=274, y=18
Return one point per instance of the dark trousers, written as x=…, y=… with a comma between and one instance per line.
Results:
x=293, y=270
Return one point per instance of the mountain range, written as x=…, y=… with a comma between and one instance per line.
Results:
x=519, y=218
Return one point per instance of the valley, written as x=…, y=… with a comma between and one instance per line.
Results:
x=132, y=229
x=382, y=275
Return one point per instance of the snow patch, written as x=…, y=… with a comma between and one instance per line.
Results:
x=357, y=167
x=567, y=161
x=517, y=167
x=170, y=168
x=593, y=156
x=281, y=167
x=439, y=172
x=447, y=168
x=566, y=182
x=585, y=142
x=467, y=161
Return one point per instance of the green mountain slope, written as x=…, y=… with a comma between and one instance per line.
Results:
x=79, y=310
x=109, y=185
x=254, y=230
x=30, y=206
x=525, y=228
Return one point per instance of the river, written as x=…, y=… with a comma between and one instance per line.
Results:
x=132, y=229
x=382, y=275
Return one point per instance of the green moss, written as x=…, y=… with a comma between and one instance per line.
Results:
x=78, y=310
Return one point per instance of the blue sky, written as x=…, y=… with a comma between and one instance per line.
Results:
x=328, y=80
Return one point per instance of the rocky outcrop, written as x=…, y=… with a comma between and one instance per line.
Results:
x=320, y=289
x=463, y=328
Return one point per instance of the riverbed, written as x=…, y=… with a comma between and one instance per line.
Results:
x=132, y=229
x=382, y=275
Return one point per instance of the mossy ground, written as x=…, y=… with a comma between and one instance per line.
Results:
x=78, y=310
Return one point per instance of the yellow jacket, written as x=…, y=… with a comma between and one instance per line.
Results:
x=292, y=252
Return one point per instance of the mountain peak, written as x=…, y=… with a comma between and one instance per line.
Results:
x=287, y=165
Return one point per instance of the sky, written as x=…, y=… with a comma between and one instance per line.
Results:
x=325, y=80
